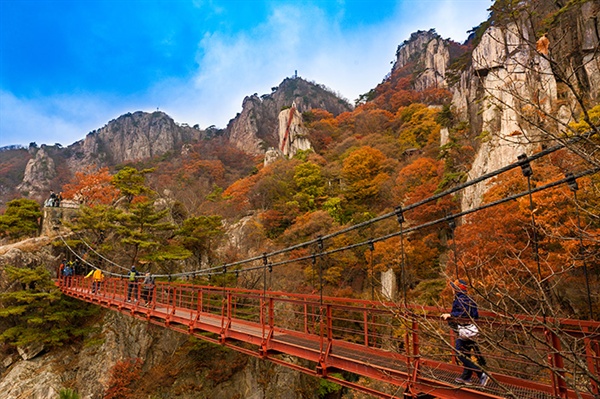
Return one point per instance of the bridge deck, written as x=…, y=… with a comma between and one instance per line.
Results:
x=324, y=336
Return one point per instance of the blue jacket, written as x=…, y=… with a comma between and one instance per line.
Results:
x=464, y=306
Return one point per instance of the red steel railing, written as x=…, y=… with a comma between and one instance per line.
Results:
x=408, y=347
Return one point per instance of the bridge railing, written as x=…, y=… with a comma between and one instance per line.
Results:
x=556, y=356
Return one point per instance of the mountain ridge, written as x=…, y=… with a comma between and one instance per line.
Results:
x=138, y=136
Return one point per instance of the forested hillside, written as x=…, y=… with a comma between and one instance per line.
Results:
x=428, y=128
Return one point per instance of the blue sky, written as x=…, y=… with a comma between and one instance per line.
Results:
x=67, y=67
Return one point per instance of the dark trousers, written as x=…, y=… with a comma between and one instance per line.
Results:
x=147, y=294
x=464, y=347
x=131, y=289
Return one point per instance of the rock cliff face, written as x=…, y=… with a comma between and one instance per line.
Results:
x=574, y=42
x=131, y=137
x=507, y=78
x=430, y=56
x=39, y=173
x=11, y=177
x=142, y=135
x=292, y=135
x=255, y=129
x=511, y=75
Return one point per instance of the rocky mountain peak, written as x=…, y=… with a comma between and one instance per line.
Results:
x=255, y=129
x=39, y=173
x=293, y=136
x=507, y=76
x=428, y=55
x=131, y=137
x=291, y=132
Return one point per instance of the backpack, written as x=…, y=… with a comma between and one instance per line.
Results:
x=149, y=284
x=467, y=331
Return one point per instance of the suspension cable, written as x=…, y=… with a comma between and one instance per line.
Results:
x=85, y=261
x=100, y=255
x=224, y=268
x=423, y=225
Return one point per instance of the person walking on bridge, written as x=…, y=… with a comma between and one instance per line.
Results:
x=461, y=319
x=67, y=273
x=148, y=288
x=97, y=279
x=132, y=286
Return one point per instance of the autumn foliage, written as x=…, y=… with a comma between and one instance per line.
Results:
x=497, y=246
x=92, y=187
x=123, y=375
x=384, y=155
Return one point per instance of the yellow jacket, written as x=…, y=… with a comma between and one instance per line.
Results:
x=96, y=275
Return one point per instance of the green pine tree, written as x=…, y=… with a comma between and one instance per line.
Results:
x=200, y=235
x=34, y=310
x=21, y=219
x=145, y=233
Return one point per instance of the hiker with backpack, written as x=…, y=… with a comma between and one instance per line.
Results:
x=97, y=279
x=462, y=320
x=132, y=285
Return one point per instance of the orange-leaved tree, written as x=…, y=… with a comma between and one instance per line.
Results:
x=417, y=127
x=371, y=120
x=92, y=187
x=123, y=376
x=531, y=261
x=237, y=195
x=364, y=174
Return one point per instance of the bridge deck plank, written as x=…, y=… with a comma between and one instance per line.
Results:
x=339, y=354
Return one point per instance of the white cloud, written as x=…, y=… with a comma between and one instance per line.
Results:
x=232, y=66
x=61, y=119
x=18, y=116
x=452, y=19
x=303, y=39
x=309, y=41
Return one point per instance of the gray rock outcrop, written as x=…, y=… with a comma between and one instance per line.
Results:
x=272, y=155
x=131, y=137
x=39, y=173
x=512, y=76
x=256, y=128
x=293, y=136
x=514, y=94
x=510, y=94
x=247, y=128
x=431, y=56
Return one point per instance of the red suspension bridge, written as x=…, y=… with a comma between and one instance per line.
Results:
x=393, y=351
x=386, y=349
